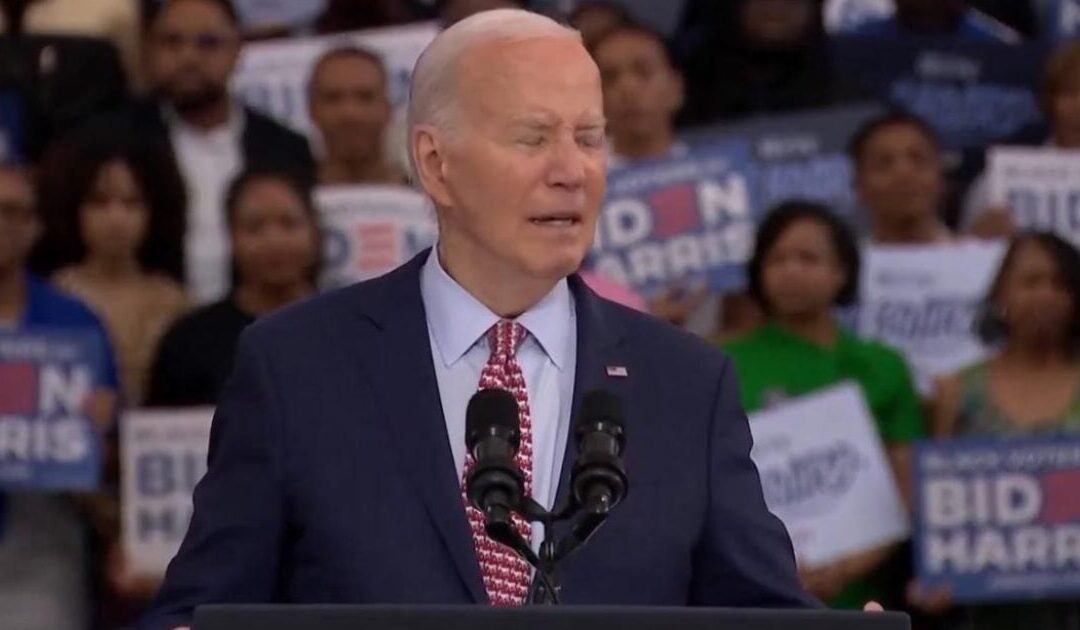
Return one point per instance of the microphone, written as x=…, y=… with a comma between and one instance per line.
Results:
x=598, y=480
x=492, y=435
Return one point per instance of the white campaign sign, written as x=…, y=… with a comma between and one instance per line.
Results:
x=925, y=300
x=273, y=76
x=370, y=230
x=825, y=475
x=163, y=457
x=1040, y=185
x=843, y=16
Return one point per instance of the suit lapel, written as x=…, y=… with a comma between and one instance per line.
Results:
x=599, y=347
x=408, y=391
x=405, y=382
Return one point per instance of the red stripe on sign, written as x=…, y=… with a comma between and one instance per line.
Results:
x=18, y=388
x=1061, y=497
x=675, y=210
x=377, y=247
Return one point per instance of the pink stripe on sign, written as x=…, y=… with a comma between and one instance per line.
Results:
x=675, y=210
x=18, y=388
x=1061, y=497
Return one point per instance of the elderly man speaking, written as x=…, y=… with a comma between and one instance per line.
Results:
x=338, y=449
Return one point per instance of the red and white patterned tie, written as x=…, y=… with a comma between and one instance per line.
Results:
x=506, y=575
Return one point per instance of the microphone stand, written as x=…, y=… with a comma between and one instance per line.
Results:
x=552, y=550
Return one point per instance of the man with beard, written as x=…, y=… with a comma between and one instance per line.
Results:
x=192, y=47
x=350, y=107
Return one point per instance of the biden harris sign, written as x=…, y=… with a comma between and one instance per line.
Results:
x=999, y=520
x=163, y=458
x=370, y=230
x=47, y=441
x=1040, y=186
x=691, y=217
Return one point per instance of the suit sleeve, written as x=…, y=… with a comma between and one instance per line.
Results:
x=744, y=558
x=231, y=551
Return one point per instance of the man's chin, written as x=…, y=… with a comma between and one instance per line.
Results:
x=555, y=269
x=194, y=101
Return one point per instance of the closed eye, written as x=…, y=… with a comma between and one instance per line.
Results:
x=591, y=140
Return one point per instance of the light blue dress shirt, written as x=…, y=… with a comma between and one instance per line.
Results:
x=457, y=323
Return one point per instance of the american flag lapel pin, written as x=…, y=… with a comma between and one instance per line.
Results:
x=617, y=371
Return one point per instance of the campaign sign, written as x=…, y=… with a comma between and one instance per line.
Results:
x=163, y=457
x=686, y=218
x=47, y=441
x=370, y=230
x=999, y=519
x=1040, y=185
x=972, y=93
x=801, y=155
x=825, y=475
x=273, y=76
x=257, y=14
x=845, y=16
x=924, y=300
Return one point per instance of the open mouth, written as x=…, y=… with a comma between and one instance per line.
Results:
x=562, y=220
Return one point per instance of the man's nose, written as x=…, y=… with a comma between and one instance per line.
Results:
x=567, y=165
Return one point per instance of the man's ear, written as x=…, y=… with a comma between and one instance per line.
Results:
x=429, y=157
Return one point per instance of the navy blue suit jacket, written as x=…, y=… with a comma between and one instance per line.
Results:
x=331, y=477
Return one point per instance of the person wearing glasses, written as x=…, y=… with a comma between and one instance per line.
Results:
x=192, y=50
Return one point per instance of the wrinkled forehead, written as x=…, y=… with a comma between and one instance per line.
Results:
x=508, y=78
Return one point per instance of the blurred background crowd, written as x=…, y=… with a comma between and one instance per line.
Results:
x=142, y=199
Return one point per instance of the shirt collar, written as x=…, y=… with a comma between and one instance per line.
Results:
x=775, y=332
x=233, y=127
x=458, y=319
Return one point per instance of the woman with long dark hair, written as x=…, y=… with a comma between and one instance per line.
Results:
x=114, y=217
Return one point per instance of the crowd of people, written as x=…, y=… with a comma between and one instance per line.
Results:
x=166, y=222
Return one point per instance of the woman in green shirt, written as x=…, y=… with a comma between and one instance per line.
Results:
x=805, y=263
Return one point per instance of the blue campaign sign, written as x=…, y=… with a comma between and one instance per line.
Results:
x=999, y=519
x=686, y=218
x=973, y=93
x=264, y=13
x=845, y=16
x=801, y=155
x=46, y=439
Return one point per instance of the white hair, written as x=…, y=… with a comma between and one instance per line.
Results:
x=433, y=89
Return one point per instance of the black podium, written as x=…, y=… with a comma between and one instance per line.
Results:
x=349, y=617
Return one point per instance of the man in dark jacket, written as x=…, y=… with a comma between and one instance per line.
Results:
x=193, y=47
